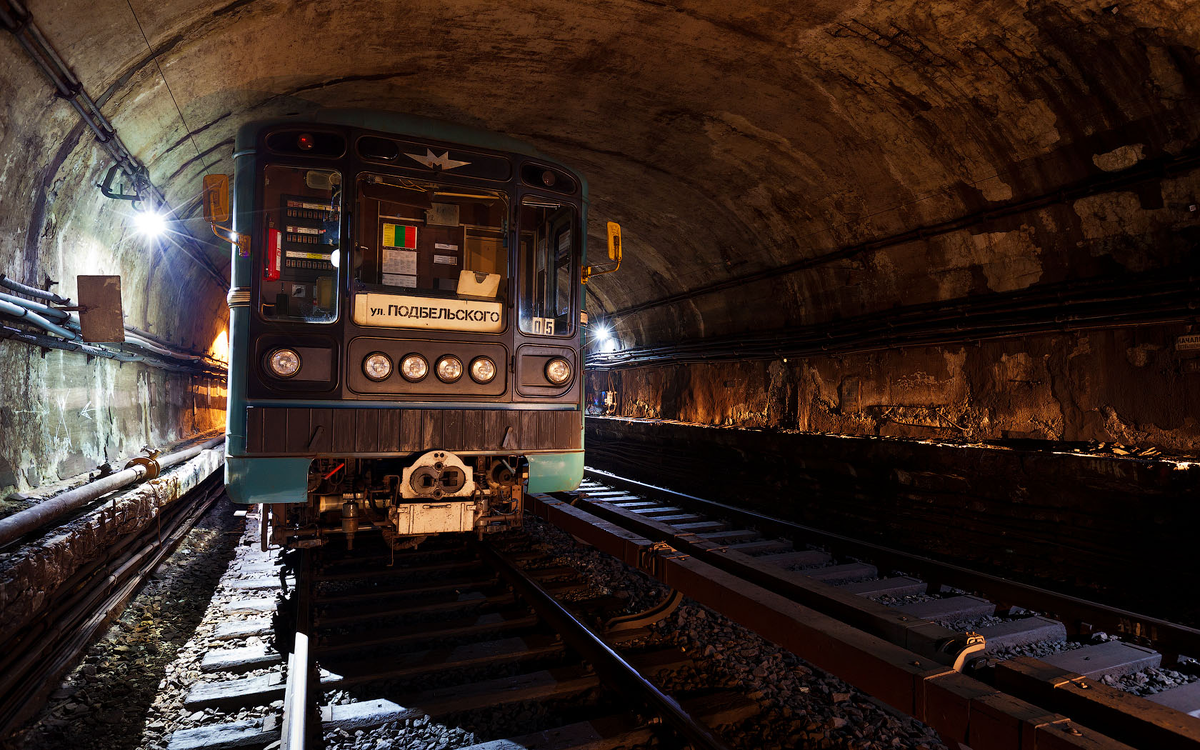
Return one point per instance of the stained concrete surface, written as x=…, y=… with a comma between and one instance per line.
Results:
x=726, y=140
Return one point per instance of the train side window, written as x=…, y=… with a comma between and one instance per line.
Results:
x=549, y=251
x=300, y=245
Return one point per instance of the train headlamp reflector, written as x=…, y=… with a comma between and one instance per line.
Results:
x=558, y=371
x=284, y=363
x=483, y=370
x=449, y=369
x=414, y=367
x=377, y=366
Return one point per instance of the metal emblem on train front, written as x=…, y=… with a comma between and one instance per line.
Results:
x=443, y=162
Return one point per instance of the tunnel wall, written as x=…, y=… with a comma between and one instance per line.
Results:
x=62, y=413
x=1074, y=520
x=1129, y=386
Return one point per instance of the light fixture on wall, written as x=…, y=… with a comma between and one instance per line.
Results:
x=605, y=340
x=148, y=218
x=149, y=222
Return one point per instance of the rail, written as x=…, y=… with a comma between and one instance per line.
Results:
x=296, y=698
x=606, y=661
x=1172, y=637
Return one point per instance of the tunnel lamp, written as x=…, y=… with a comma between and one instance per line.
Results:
x=150, y=222
x=603, y=333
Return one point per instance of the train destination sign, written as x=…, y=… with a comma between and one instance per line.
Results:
x=402, y=311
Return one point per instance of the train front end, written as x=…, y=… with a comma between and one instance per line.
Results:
x=406, y=328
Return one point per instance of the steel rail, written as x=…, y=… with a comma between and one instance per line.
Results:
x=962, y=709
x=1167, y=636
x=606, y=661
x=38, y=656
x=296, y=706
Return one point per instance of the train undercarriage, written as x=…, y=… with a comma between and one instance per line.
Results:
x=404, y=500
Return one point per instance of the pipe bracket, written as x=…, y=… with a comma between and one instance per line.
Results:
x=150, y=462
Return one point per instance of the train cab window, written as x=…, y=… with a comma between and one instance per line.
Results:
x=301, y=244
x=548, y=247
x=429, y=255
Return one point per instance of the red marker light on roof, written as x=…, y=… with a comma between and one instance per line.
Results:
x=305, y=142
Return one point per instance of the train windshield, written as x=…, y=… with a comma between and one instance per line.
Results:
x=548, y=247
x=429, y=255
x=301, y=243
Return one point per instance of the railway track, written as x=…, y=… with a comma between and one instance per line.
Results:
x=977, y=625
x=459, y=641
x=466, y=643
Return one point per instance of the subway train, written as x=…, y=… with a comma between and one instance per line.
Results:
x=407, y=326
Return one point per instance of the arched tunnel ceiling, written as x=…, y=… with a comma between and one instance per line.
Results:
x=726, y=138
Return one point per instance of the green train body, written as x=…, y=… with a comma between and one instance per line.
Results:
x=406, y=327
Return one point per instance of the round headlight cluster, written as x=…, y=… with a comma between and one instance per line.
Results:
x=483, y=370
x=284, y=363
x=558, y=371
x=449, y=369
x=414, y=367
x=377, y=366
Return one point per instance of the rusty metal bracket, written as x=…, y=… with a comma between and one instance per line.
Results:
x=150, y=462
x=651, y=558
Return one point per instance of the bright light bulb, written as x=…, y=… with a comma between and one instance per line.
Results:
x=150, y=223
x=603, y=333
x=335, y=258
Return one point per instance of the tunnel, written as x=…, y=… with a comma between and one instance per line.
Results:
x=920, y=271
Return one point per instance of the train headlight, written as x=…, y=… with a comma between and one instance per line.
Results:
x=377, y=366
x=414, y=367
x=284, y=363
x=558, y=371
x=483, y=370
x=449, y=369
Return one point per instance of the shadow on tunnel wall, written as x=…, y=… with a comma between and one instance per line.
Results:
x=1116, y=529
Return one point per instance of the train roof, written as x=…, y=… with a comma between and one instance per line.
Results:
x=398, y=123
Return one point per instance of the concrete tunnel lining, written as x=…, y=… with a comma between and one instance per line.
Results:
x=726, y=142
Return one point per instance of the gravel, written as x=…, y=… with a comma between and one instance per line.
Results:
x=1150, y=681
